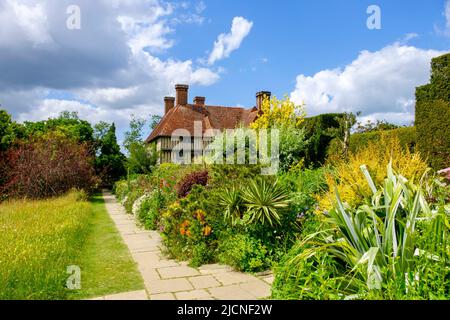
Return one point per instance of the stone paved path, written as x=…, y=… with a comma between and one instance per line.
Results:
x=167, y=279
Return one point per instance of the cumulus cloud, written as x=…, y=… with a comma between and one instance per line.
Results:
x=380, y=84
x=226, y=43
x=27, y=21
x=110, y=68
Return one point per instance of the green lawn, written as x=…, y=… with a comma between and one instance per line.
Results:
x=40, y=239
x=106, y=264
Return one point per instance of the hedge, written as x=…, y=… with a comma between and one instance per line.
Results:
x=406, y=135
x=317, y=131
x=433, y=114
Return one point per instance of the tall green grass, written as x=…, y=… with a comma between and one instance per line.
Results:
x=38, y=241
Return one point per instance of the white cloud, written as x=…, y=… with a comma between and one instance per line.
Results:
x=226, y=43
x=380, y=84
x=26, y=20
x=107, y=70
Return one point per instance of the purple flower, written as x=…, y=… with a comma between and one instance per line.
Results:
x=300, y=215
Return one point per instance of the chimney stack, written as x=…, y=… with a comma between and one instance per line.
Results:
x=169, y=103
x=260, y=96
x=182, y=94
x=199, y=101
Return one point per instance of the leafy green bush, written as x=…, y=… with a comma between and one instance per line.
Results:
x=244, y=253
x=150, y=208
x=318, y=133
x=189, y=226
x=293, y=146
x=433, y=114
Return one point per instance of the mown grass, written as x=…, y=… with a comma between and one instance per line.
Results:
x=106, y=264
x=40, y=239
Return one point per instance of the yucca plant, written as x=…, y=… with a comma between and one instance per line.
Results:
x=231, y=202
x=265, y=201
x=377, y=242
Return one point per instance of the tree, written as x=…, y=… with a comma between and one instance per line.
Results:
x=6, y=130
x=342, y=133
x=135, y=132
x=370, y=126
x=67, y=124
x=110, y=162
x=156, y=119
x=141, y=157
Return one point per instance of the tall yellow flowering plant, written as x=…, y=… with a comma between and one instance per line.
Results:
x=279, y=113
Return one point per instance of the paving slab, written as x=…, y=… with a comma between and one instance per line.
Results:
x=258, y=288
x=198, y=294
x=177, y=272
x=233, y=277
x=203, y=282
x=233, y=292
x=169, y=285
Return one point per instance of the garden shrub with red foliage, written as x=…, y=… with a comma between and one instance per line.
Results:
x=184, y=187
x=47, y=166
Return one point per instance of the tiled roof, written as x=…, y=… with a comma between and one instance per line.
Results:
x=212, y=117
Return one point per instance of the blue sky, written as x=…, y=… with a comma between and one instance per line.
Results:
x=127, y=55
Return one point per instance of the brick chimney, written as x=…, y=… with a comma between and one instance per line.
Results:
x=182, y=94
x=199, y=101
x=169, y=103
x=260, y=96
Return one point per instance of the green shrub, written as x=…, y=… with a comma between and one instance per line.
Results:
x=293, y=146
x=244, y=253
x=317, y=131
x=121, y=189
x=189, y=227
x=149, y=210
x=433, y=114
x=130, y=199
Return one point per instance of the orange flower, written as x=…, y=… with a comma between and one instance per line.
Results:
x=207, y=231
x=182, y=231
x=188, y=233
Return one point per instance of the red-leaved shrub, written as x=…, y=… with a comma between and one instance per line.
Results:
x=186, y=184
x=45, y=167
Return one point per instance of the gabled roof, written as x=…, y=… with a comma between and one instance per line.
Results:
x=212, y=117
